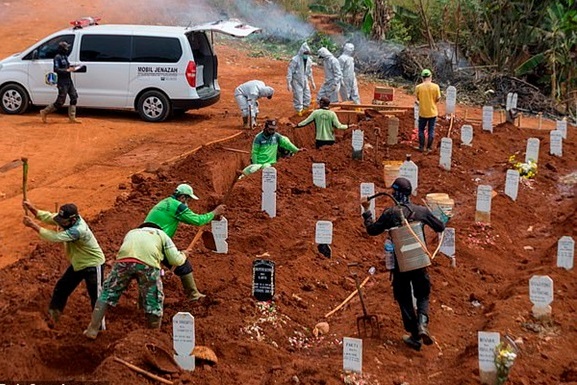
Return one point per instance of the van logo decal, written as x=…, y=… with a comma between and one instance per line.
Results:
x=165, y=73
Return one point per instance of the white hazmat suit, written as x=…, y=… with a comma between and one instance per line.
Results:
x=349, y=88
x=333, y=76
x=246, y=96
x=299, y=76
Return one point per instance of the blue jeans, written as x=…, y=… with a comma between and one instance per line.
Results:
x=430, y=134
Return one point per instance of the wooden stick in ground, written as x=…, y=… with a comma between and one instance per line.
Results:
x=235, y=150
x=347, y=299
x=142, y=371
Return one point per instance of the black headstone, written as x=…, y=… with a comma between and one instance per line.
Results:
x=263, y=279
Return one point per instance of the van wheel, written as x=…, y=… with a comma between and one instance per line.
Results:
x=14, y=99
x=153, y=106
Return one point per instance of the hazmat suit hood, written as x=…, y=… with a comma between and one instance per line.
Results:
x=324, y=53
x=348, y=49
x=267, y=91
x=304, y=48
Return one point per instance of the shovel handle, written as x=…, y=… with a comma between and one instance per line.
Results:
x=25, y=181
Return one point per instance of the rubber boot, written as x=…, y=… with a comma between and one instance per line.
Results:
x=412, y=342
x=190, y=287
x=423, y=330
x=48, y=110
x=245, y=122
x=72, y=115
x=97, y=316
x=153, y=321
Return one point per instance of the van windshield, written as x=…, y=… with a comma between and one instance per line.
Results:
x=49, y=49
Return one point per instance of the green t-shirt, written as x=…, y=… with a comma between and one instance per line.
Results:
x=264, y=149
x=169, y=212
x=324, y=120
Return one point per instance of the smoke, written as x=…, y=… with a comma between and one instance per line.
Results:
x=273, y=20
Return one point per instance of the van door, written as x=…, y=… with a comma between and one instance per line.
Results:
x=107, y=61
x=40, y=62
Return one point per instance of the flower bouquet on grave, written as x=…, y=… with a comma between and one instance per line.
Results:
x=527, y=170
x=505, y=356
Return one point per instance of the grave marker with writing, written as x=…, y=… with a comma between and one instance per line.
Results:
x=532, y=152
x=488, y=118
x=416, y=114
x=319, y=175
x=410, y=170
x=451, y=100
x=512, y=184
x=263, y=280
x=448, y=244
x=467, y=135
x=561, y=125
x=393, y=132
x=487, y=342
x=220, y=232
x=324, y=232
x=565, y=252
x=269, y=185
x=483, y=209
x=541, y=295
x=556, y=143
x=352, y=355
x=368, y=189
x=357, y=143
x=446, y=153
x=183, y=337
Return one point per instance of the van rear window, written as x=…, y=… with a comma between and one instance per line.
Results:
x=148, y=49
x=105, y=48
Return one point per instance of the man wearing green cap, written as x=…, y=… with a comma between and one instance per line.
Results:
x=428, y=95
x=167, y=214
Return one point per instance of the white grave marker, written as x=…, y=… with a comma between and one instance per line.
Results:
x=324, y=232
x=514, y=101
x=532, y=152
x=487, y=342
x=367, y=190
x=556, y=143
x=509, y=103
x=541, y=295
x=483, y=209
x=488, y=118
x=269, y=185
x=358, y=140
x=451, y=100
x=416, y=114
x=183, y=339
x=220, y=233
x=352, y=354
x=410, y=171
x=319, y=175
x=565, y=252
x=446, y=153
x=467, y=135
x=448, y=244
x=561, y=125
x=512, y=184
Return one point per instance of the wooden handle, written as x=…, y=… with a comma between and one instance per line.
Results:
x=194, y=240
x=142, y=371
x=347, y=299
x=25, y=181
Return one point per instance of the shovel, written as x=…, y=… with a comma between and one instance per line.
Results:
x=12, y=165
x=367, y=324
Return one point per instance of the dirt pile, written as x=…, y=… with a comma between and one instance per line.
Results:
x=270, y=343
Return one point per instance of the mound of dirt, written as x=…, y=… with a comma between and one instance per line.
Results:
x=272, y=342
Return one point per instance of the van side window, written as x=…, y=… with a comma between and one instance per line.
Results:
x=50, y=48
x=149, y=49
x=105, y=48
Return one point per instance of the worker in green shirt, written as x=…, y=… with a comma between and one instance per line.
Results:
x=171, y=211
x=139, y=258
x=265, y=147
x=82, y=250
x=325, y=123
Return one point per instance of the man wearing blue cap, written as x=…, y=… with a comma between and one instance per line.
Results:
x=428, y=95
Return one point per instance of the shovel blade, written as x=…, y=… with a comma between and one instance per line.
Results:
x=11, y=165
x=208, y=240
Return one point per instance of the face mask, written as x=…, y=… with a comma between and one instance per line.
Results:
x=305, y=57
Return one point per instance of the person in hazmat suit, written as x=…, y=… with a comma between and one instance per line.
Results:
x=349, y=89
x=300, y=78
x=333, y=76
x=247, y=95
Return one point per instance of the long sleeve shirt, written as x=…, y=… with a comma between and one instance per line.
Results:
x=264, y=149
x=391, y=218
x=149, y=246
x=169, y=212
x=82, y=248
x=325, y=122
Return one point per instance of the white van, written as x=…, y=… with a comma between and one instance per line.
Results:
x=155, y=70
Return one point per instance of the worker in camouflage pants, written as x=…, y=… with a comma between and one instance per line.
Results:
x=139, y=258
